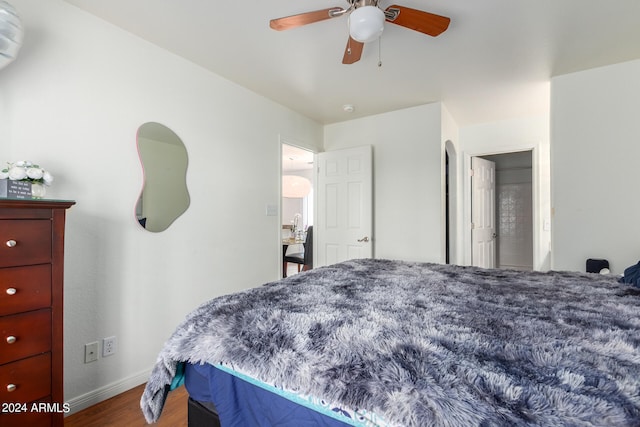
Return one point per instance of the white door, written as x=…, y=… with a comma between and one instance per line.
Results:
x=345, y=205
x=483, y=208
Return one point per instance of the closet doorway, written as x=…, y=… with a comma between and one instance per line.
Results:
x=513, y=210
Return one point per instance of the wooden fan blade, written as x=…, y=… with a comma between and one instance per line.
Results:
x=417, y=20
x=301, y=19
x=352, y=52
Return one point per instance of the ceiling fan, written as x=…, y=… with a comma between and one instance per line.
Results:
x=366, y=23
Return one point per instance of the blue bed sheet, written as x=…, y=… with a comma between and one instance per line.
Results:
x=240, y=403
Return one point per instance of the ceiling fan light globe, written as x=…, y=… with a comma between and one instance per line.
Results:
x=11, y=33
x=366, y=24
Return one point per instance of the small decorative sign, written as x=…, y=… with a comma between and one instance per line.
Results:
x=15, y=189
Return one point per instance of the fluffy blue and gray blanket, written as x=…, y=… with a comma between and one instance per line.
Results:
x=429, y=345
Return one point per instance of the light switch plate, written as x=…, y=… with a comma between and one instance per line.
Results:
x=91, y=352
x=271, y=210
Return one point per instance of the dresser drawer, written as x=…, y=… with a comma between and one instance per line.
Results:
x=24, y=288
x=24, y=242
x=24, y=335
x=26, y=380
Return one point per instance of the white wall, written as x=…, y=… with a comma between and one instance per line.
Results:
x=73, y=101
x=595, y=136
x=407, y=178
x=530, y=133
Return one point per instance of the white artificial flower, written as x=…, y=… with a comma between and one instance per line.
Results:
x=35, y=173
x=17, y=173
x=24, y=170
x=47, y=177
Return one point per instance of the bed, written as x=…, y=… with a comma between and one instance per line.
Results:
x=392, y=343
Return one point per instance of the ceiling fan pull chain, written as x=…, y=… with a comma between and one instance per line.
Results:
x=380, y=52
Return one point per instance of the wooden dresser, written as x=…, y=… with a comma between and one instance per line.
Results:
x=31, y=299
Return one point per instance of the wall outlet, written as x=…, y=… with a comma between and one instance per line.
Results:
x=109, y=346
x=91, y=352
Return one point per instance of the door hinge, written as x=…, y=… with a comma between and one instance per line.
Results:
x=473, y=226
x=470, y=172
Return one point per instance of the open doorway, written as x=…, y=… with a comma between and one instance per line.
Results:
x=514, y=216
x=297, y=204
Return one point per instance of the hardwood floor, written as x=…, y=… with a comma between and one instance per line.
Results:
x=124, y=410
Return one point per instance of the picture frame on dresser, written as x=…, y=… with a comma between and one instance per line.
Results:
x=31, y=312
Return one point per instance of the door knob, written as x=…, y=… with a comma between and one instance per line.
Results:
x=364, y=239
x=11, y=243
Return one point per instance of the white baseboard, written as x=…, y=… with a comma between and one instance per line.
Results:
x=81, y=402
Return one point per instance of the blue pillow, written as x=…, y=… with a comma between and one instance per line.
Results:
x=632, y=275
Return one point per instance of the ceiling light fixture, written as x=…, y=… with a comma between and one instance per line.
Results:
x=11, y=33
x=366, y=23
x=348, y=108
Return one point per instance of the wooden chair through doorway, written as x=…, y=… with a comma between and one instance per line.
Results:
x=304, y=259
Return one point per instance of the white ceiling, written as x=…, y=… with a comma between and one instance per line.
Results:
x=296, y=159
x=494, y=62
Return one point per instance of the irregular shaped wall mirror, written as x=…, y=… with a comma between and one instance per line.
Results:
x=164, y=196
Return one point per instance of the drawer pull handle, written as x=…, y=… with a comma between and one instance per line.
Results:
x=11, y=387
x=11, y=291
x=11, y=243
x=11, y=339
